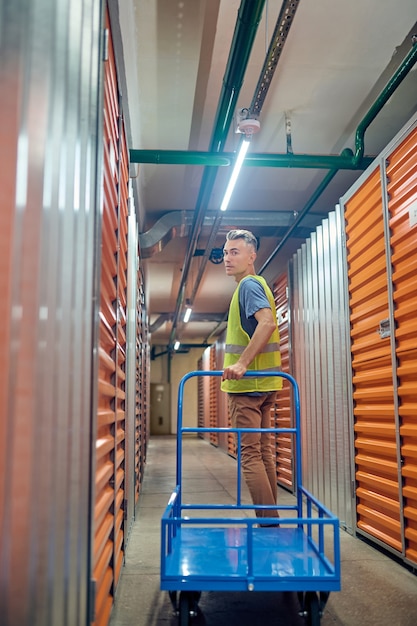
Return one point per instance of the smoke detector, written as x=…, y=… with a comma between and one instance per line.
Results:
x=249, y=126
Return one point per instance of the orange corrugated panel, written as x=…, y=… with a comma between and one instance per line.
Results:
x=109, y=483
x=214, y=382
x=378, y=497
x=402, y=196
x=200, y=395
x=282, y=412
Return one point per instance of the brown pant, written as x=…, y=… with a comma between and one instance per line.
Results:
x=258, y=461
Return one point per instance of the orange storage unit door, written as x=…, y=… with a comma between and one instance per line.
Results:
x=378, y=492
x=110, y=438
x=401, y=171
x=214, y=384
x=142, y=386
x=282, y=417
x=205, y=386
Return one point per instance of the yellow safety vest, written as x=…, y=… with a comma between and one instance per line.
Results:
x=237, y=340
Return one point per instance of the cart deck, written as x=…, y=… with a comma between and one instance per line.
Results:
x=216, y=547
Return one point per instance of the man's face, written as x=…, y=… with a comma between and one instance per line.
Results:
x=238, y=257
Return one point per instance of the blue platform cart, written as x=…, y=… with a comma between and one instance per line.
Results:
x=217, y=547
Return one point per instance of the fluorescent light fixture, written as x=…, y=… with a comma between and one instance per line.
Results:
x=187, y=314
x=176, y=345
x=232, y=182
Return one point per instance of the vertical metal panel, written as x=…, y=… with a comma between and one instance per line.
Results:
x=319, y=337
x=131, y=415
x=282, y=415
x=50, y=77
x=343, y=470
x=378, y=500
x=401, y=186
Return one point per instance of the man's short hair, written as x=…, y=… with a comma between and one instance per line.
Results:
x=243, y=234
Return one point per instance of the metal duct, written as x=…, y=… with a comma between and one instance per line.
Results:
x=177, y=224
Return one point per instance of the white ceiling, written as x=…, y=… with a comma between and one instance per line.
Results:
x=337, y=58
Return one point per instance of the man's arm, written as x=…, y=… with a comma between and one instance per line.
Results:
x=263, y=331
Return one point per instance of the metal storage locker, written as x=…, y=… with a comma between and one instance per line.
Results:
x=401, y=187
x=282, y=416
x=319, y=321
x=110, y=436
x=200, y=399
x=377, y=489
x=382, y=255
x=213, y=397
x=142, y=383
x=226, y=440
x=49, y=217
x=204, y=385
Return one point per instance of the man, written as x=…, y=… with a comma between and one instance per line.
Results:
x=252, y=343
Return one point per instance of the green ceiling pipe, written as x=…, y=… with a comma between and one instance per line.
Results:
x=344, y=161
x=383, y=98
x=182, y=157
x=317, y=193
x=249, y=16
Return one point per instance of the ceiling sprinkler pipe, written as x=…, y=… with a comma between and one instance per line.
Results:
x=249, y=16
x=383, y=98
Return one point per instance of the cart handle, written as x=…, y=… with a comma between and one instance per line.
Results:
x=251, y=373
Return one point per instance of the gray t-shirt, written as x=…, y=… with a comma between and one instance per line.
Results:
x=252, y=297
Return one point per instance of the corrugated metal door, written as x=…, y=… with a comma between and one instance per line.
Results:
x=204, y=382
x=110, y=442
x=282, y=414
x=142, y=385
x=377, y=487
x=200, y=398
x=320, y=364
x=226, y=440
x=401, y=187
x=213, y=382
x=50, y=214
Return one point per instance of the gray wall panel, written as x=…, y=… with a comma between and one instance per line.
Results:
x=320, y=347
x=51, y=65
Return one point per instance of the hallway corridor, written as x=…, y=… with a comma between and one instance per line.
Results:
x=376, y=591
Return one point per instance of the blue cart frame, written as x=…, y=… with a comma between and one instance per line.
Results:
x=231, y=553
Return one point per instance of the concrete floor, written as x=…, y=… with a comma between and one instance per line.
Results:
x=376, y=590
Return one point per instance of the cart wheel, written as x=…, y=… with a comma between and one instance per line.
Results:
x=312, y=608
x=194, y=600
x=173, y=598
x=324, y=596
x=184, y=609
